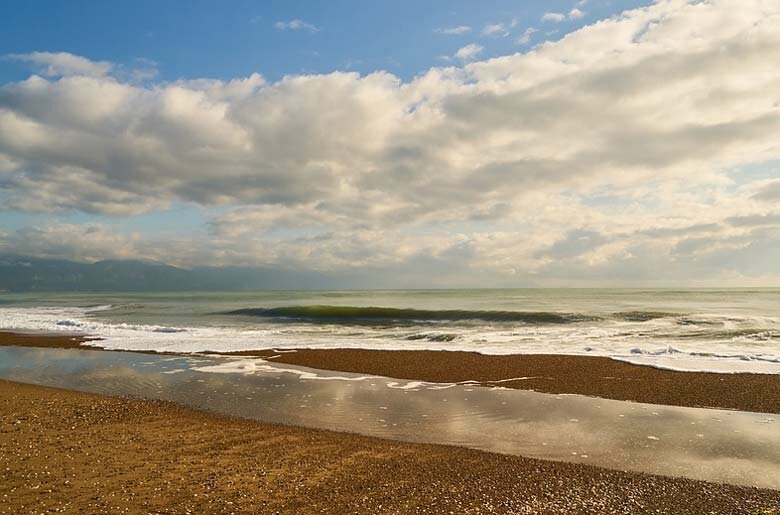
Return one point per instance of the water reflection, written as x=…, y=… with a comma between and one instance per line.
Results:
x=728, y=446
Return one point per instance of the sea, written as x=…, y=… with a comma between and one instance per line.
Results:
x=715, y=330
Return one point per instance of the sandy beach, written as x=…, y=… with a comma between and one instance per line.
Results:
x=78, y=452
x=44, y=340
x=584, y=375
x=75, y=452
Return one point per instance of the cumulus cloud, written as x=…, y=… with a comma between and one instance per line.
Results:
x=499, y=29
x=142, y=70
x=54, y=64
x=772, y=219
x=525, y=38
x=90, y=242
x=769, y=192
x=454, y=31
x=574, y=14
x=296, y=24
x=554, y=17
x=494, y=29
x=583, y=157
x=469, y=52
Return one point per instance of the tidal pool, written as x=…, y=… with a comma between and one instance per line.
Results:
x=716, y=445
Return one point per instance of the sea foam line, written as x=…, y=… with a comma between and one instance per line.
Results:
x=613, y=341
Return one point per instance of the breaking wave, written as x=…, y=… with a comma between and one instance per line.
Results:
x=718, y=342
x=358, y=315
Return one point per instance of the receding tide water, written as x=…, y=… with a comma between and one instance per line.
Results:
x=717, y=445
x=724, y=330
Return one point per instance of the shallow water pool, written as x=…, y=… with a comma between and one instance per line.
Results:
x=716, y=445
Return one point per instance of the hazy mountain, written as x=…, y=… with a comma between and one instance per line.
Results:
x=23, y=273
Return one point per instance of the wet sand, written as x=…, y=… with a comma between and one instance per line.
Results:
x=86, y=453
x=44, y=340
x=584, y=375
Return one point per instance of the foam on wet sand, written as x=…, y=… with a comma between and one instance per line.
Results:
x=585, y=375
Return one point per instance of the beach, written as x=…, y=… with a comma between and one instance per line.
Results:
x=71, y=451
x=44, y=340
x=76, y=452
x=583, y=375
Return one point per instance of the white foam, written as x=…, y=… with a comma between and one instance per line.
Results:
x=701, y=364
x=640, y=343
x=123, y=336
x=525, y=378
x=411, y=385
x=260, y=366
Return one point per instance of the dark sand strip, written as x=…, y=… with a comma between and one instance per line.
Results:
x=92, y=454
x=584, y=375
x=44, y=340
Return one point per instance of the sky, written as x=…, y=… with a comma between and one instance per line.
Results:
x=435, y=144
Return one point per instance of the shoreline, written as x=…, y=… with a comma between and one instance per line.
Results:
x=592, y=376
x=547, y=373
x=77, y=451
x=46, y=340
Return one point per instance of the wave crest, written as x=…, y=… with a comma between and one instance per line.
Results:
x=353, y=314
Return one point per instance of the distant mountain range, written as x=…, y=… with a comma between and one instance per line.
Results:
x=28, y=274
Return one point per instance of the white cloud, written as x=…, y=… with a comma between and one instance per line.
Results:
x=454, y=31
x=88, y=242
x=499, y=30
x=495, y=29
x=296, y=24
x=142, y=70
x=525, y=38
x=769, y=191
x=54, y=64
x=469, y=52
x=555, y=17
x=574, y=14
x=603, y=154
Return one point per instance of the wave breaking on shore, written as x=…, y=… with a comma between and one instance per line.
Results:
x=724, y=343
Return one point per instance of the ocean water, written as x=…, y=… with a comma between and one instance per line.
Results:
x=720, y=330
